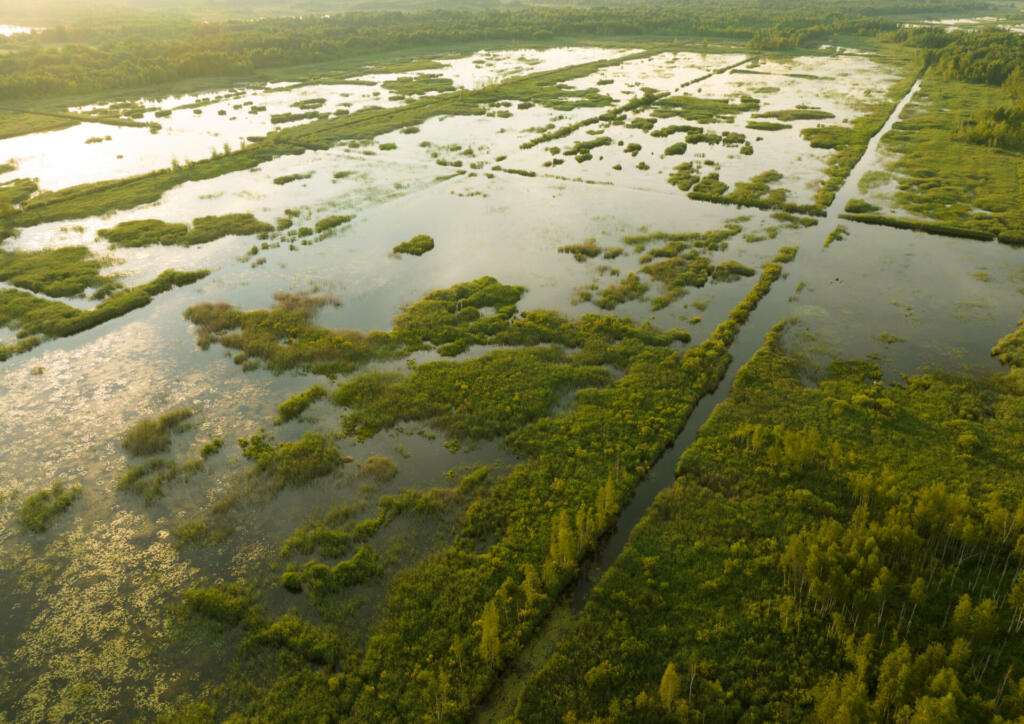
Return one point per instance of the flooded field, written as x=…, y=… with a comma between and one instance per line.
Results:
x=496, y=202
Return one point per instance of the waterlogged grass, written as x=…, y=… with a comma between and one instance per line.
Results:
x=37, y=318
x=859, y=206
x=417, y=245
x=705, y=110
x=581, y=252
x=679, y=262
x=849, y=143
x=419, y=84
x=946, y=179
x=295, y=406
x=628, y=289
x=15, y=192
x=676, y=274
x=805, y=521
x=150, y=232
x=282, y=180
x=41, y=507
x=482, y=398
x=62, y=272
x=291, y=117
x=758, y=192
x=16, y=123
x=292, y=463
x=147, y=480
x=544, y=88
x=520, y=537
x=332, y=222
x=285, y=336
x=796, y=114
x=767, y=126
x=837, y=234
x=1010, y=349
x=927, y=227
x=153, y=435
x=731, y=270
x=379, y=468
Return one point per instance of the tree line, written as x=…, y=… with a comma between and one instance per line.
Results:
x=136, y=49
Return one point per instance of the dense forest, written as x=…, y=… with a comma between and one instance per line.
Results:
x=123, y=51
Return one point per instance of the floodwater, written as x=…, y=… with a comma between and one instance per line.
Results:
x=86, y=599
x=9, y=30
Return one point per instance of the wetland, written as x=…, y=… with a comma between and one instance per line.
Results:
x=655, y=363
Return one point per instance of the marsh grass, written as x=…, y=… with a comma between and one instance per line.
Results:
x=60, y=272
x=292, y=463
x=628, y=289
x=41, y=507
x=379, y=468
x=37, y=318
x=859, y=206
x=581, y=252
x=796, y=114
x=153, y=435
x=149, y=232
x=704, y=110
x=331, y=222
x=419, y=84
x=767, y=126
x=417, y=245
x=546, y=88
x=296, y=405
x=1010, y=349
x=837, y=234
x=950, y=181
x=282, y=180
x=147, y=480
x=729, y=271
x=927, y=227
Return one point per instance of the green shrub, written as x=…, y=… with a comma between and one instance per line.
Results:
x=293, y=463
x=379, y=468
x=329, y=222
x=211, y=448
x=295, y=406
x=859, y=206
x=417, y=245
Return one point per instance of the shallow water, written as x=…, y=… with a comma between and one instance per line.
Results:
x=9, y=30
